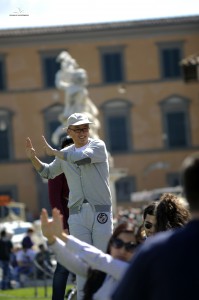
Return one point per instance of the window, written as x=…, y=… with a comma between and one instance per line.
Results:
x=170, y=57
x=52, y=123
x=173, y=179
x=176, y=122
x=176, y=129
x=50, y=68
x=124, y=188
x=112, y=65
x=5, y=135
x=2, y=75
x=118, y=125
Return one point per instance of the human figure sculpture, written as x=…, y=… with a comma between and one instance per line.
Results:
x=73, y=80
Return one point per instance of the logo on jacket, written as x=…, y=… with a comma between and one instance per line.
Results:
x=102, y=218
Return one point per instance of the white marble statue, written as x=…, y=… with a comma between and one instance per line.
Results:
x=73, y=80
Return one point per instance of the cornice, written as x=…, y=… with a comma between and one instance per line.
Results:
x=101, y=31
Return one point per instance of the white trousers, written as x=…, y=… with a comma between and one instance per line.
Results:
x=92, y=227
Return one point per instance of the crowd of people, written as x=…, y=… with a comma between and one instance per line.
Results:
x=22, y=262
x=110, y=256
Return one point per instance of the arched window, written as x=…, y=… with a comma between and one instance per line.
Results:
x=52, y=122
x=6, y=149
x=124, y=188
x=117, y=125
x=176, y=125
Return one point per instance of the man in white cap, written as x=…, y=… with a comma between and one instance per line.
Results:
x=85, y=164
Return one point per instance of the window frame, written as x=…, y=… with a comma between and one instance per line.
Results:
x=126, y=198
x=50, y=114
x=3, y=70
x=171, y=177
x=170, y=45
x=175, y=103
x=44, y=55
x=112, y=50
x=118, y=107
x=6, y=116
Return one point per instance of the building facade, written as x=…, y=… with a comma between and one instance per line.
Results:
x=149, y=115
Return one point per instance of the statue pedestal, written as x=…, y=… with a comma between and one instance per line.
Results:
x=115, y=174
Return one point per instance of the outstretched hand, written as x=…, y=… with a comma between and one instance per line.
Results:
x=52, y=228
x=47, y=148
x=30, y=151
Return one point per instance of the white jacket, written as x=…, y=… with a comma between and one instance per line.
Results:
x=78, y=257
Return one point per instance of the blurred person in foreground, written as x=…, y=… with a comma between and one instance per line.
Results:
x=169, y=259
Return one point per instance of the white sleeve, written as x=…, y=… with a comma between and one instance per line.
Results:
x=96, y=259
x=68, y=259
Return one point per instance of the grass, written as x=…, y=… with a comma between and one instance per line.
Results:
x=30, y=293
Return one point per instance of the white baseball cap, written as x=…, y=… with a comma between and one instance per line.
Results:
x=77, y=119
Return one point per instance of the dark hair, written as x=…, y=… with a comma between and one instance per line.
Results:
x=65, y=141
x=140, y=235
x=189, y=177
x=95, y=278
x=171, y=212
x=150, y=209
x=3, y=233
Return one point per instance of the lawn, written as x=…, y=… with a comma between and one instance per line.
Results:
x=30, y=293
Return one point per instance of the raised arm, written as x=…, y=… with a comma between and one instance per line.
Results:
x=84, y=252
x=31, y=154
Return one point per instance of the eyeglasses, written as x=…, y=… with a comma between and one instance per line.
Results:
x=148, y=225
x=118, y=244
x=79, y=130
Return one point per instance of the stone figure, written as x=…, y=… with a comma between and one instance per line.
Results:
x=73, y=80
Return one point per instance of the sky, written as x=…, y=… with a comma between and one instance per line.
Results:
x=39, y=13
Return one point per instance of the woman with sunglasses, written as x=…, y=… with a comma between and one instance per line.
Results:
x=169, y=212
x=82, y=258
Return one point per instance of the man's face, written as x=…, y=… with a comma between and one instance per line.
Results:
x=149, y=225
x=79, y=134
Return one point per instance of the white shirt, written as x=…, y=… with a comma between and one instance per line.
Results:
x=78, y=257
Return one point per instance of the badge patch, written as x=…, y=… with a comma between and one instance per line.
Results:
x=102, y=218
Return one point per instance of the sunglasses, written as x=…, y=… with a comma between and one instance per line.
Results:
x=79, y=130
x=148, y=225
x=118, y=244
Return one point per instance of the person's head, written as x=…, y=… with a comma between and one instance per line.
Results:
x=149, y=218
x=172, y=212
x=3, y=233
x=41, y=247
x=189, y=177
x=123, y=242
x=30, y=231
x=77, y=126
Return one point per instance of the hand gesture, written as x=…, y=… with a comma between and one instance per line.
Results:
x=30, y=151
x=47, y=148
x=54, y=227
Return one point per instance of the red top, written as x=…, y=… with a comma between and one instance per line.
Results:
x=58, y=195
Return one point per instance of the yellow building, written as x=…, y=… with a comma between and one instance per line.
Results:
x=149, y=115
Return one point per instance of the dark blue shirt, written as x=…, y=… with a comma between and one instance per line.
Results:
x=165, y=268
